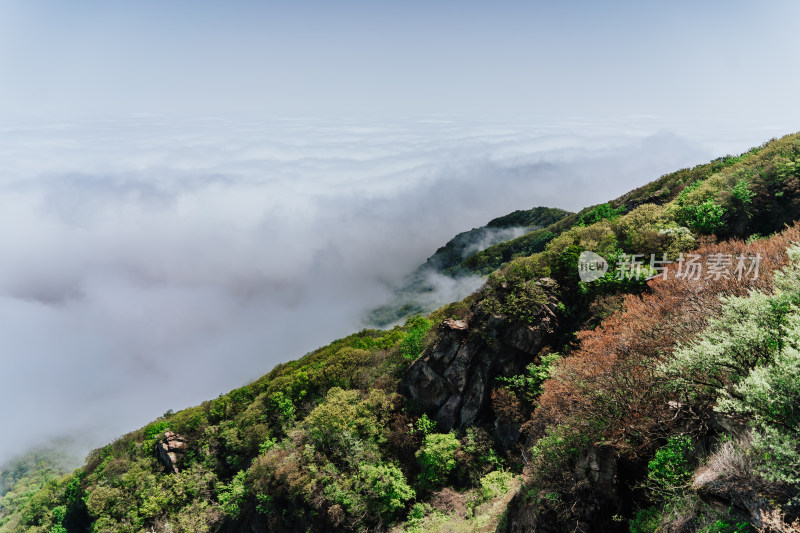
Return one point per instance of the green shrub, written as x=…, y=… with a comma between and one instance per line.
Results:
x=412, y=344
x=670, y=468
x=156, y=429
x=417, y=514
x=282, y=410
x=347, y=423
x=646, y=520
x=233, y=495
x=623, y=276
x=746, y=335
x=529, y=385
x=705, y=217
x=384, y=488
x=741, y=191
x=724, y=526
x=554, y=456
x=495, y=484
x=374, y=494
x=778, y=451
x=437, y=459
x=514, y=292
x=425, y=425
x=479, y=455
x=601, y=212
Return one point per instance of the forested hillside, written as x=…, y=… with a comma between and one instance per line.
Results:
x=417, y=295
x=662, y=396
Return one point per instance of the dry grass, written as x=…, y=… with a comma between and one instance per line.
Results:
x=773, y=522
x=733, y=458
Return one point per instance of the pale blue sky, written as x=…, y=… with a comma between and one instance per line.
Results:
x=679, y=59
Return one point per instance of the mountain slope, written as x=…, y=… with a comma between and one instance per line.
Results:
x=419, y=294
x=620, y=404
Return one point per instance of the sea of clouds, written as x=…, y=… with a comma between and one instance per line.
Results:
x=150, y=263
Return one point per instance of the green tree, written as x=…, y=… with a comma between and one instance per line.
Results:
x=437, y=459
x=384, y=488
x=416, y=328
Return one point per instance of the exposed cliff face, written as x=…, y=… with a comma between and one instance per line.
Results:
x=168, y=449
x=454, y=378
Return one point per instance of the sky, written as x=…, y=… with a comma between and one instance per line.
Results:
x=679, y=58
x=193, y=192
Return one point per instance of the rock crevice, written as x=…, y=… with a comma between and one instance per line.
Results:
x=454, y=378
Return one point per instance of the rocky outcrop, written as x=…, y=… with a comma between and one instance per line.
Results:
x=749, y=499
x=169, y=449
x=453, y=379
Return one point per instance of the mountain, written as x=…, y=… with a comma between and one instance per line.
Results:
x=418, y=293
x=658, y=393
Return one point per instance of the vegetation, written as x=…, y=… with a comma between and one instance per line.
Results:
x=437, y=459
x=651, y=398
x=601, y=212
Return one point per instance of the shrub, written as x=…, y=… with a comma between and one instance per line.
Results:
x=705, y=217
x=628, y=226
x=745, y=336
x=553, y=457
x=601, y=212
x=770, y=393
x=384, y=488
x=417, y=514
x=646, y=520
x=416, y=328
x=515, y=298
x=348, y=418
x=374, y=494
x=495, y=484
x=778, y=452
x=506, y=407
x=741, y=191
x=425, y=425
x=232, y=496
x=282, y=410
x=437, y=459
x=725, y=526
x=670, y=468
x=528, y=386
x=155, y=429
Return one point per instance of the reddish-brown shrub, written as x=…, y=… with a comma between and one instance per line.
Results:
x=403, y=441
x=610, y=387
x=506, y=407
x=449, y=502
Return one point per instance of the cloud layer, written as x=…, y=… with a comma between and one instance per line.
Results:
x=150, y=264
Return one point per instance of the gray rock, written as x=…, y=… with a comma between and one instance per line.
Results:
x=453, y=379
x=741, y=498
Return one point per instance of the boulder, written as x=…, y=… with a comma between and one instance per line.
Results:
x=168, y=450
x=745, y=498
